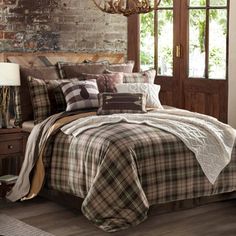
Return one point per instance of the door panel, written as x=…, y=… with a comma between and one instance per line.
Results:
x=199, y=75
x=206, y=97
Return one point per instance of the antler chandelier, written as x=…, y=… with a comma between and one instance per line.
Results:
x=127, y=7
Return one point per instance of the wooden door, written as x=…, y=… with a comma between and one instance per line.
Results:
x=182, y=86
x=205, y=89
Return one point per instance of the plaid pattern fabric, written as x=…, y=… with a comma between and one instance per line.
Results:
x=141, y=77
x=112, y=103
x=80, y=94
x=60, y=65
x=39, y=98
x=23, y=105
x=122, y=169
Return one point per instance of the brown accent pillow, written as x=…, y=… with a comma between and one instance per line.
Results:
x=23, y=104
x=72, y=71
x=105, y=82
x=112, y=103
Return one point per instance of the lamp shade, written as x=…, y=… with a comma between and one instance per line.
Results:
x=9, y=74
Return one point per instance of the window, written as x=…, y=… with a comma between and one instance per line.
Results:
x=207, y=27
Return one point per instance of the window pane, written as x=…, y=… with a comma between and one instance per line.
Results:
x=147, y=41
x=166, y=3
x=218, y=3
x=165, y=42
x=197, y=3
x=197, y=50
x=217, y=44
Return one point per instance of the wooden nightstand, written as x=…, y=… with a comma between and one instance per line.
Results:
x=12, y=149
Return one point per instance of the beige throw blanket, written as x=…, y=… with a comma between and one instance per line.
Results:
x=210, y=140
x=26, y=187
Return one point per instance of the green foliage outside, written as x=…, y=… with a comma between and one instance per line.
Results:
x=197, y=22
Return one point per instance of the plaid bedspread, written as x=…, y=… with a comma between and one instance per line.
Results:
x=122, y=169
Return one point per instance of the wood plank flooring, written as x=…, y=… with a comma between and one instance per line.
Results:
x=215, y=219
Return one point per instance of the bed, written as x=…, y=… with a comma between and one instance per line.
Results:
x=122, y=165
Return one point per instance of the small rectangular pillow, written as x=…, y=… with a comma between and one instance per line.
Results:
x=80, y=94
x=152, y=91
x=105, y=82
x=113, y=103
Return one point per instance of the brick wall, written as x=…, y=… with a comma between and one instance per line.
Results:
x=69, y=25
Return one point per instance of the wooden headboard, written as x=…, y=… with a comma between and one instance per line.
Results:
x=28, y=59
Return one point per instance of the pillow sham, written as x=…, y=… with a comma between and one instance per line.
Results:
x=152, y=91
x=105, y=82
x=47, y=97
x=80, y=94
x=22, y=102
x=72, y=70
x=56, y=96
x=113, y=103
x=122, y=67
x=140, y=77
x=39, y=98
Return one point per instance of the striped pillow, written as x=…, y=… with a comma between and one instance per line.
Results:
x=80, y=94
x=113, y=103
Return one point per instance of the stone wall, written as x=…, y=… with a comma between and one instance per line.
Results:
x=57, y=25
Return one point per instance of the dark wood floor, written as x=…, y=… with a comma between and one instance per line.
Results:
x=215, y=219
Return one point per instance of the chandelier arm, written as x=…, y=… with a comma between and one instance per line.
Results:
x=137, y=7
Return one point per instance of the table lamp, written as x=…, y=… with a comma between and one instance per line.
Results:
x=9, y=76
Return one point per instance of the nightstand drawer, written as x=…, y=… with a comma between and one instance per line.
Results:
x=11, y=147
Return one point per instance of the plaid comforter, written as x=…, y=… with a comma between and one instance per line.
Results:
x=122, y=169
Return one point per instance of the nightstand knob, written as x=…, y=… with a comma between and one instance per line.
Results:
x=10, y=146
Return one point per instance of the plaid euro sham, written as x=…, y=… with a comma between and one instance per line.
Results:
x=23, y=105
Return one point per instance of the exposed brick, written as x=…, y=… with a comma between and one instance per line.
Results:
x=9, y=35
x=9, y=2
x=60, y=25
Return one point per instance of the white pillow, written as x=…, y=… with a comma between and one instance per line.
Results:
x=152, y=91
